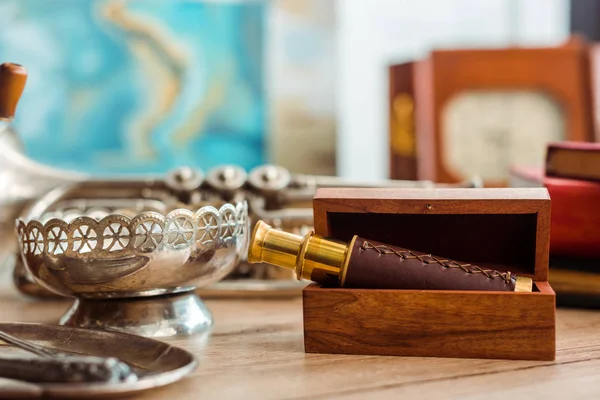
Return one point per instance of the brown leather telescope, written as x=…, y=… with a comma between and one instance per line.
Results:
x=369, y=264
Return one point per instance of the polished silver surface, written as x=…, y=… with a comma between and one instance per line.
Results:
x=185, y=179
x=152, y=316
x=67, y=369
x=31, y=347
x=125, y=249
x=227, y=179
x=98, y=254
x=54, y=366
x=155, y=363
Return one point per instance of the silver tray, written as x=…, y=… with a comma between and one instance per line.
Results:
x=156, y=363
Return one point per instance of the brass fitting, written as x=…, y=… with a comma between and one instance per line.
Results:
x=311, y=257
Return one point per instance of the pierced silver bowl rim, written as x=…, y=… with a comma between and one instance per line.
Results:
x=117, y=235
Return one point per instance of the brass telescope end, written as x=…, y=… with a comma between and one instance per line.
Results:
x=310, y=256
x=523, y=284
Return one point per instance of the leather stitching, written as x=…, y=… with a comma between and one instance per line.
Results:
x=429, y=259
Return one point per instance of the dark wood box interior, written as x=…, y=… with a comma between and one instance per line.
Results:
x=505, y=242
x=506, y=229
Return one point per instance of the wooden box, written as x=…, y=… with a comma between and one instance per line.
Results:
x=469, y=103
x=505, y=228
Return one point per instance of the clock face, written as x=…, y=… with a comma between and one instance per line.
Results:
x=487, y=132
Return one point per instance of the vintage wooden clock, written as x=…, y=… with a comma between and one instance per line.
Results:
x=479, y=112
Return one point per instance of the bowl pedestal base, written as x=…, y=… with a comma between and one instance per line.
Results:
x=171, y=315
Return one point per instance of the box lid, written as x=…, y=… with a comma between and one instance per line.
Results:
x=507, y=229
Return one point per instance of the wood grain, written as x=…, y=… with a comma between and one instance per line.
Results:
x=504, y=229
x=435, y=194
x=256, y=352
x=430, y=323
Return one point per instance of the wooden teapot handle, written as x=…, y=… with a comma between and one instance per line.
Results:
x=12, y=83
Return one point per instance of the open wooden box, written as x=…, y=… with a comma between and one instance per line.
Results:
x=506, y=229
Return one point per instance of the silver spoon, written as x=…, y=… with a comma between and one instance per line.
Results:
x=59, y=367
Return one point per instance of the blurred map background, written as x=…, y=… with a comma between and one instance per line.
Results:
x=139, y=85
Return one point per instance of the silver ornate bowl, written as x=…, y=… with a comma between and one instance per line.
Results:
x=132, y=264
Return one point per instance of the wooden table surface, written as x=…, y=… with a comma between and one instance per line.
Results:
x=256, y=352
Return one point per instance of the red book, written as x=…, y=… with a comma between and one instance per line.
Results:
x=575, y=226
x=575, y=160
